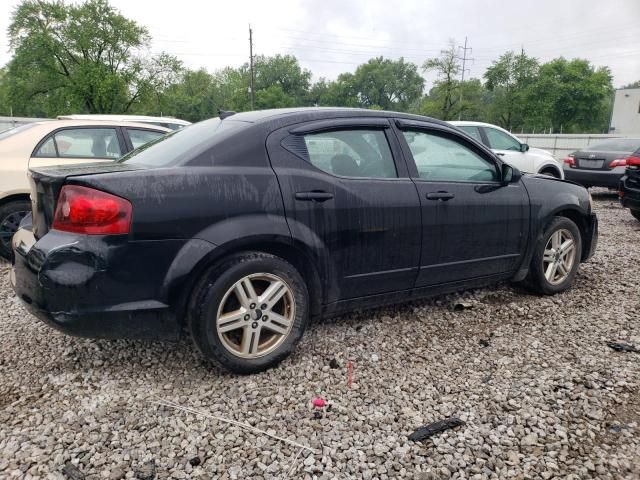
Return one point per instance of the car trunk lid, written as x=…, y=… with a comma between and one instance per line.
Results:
x=595, y=160
x=46, y=183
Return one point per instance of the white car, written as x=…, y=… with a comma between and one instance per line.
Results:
x=511, y=149
x=166, y=122
x=57, y=142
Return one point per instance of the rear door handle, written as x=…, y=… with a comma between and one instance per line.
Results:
x=315, y=196
x=501, y=154
x=444, y=196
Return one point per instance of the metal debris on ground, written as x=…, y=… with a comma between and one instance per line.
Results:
x=427, y=431
x=459, y=306
x=623, y=347
x=71, y=472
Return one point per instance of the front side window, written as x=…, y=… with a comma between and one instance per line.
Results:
x=440, y=158
x=82, y=143
x=351, y=153
x=501, y=141
x=141, y=137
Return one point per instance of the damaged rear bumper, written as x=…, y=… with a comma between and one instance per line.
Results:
x=95, y=286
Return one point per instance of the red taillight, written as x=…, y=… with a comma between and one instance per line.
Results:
x=618, y=162
x=633, y=161
x=85, y=210
x=570, y=161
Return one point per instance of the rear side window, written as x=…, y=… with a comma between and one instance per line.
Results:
x=472, y=132
x=81, y=143
x=439, y=158
x=141, y=137
x=501, y=141
x=358, y=153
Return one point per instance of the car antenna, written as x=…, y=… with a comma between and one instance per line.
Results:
x=225, y=113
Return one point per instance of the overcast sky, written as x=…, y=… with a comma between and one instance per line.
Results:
x=334, y=36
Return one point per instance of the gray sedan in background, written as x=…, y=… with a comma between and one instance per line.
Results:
x=601, y=164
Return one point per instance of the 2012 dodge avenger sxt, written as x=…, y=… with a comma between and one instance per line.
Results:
x=240, y=229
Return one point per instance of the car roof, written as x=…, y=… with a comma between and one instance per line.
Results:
x=469, y=123
x=123, y=118
x=53, y=124
x=319, y=113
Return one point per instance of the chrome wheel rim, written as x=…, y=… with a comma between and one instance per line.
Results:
x=8, y=226
x=559, y=256
x=256, y=315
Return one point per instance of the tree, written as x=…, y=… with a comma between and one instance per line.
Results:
x=85, y=57
x=509, y=79
x=444, y=97
x=571, y=95
x=635, y=84
x=388, y=84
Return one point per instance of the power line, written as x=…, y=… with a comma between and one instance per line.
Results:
x=464, y=67
x=253, y=95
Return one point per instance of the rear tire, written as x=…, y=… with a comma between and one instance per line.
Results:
x=636, y=214
x=11, y=214
x=550, y=172
x=556, y=257
x=249, y=312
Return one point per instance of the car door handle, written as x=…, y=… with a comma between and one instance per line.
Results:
x=501, y=154
x=314, y=196
x=444, y=196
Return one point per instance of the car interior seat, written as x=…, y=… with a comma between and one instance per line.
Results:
x=345, y=166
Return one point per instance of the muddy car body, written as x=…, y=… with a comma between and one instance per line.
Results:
x=246, y=227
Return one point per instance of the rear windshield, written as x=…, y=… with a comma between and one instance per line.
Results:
x=180, y=146
x=616, y=145
x=14, y=130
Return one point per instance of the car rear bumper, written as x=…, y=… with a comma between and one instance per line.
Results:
x=99, y=287
x=630, y=192
x=595, y=178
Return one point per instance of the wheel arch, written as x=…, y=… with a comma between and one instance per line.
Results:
x=577, y=217
x=547, y=167
x=296, y=253
x=14, y=197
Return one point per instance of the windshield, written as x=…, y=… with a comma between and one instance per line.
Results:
x=180, y=146
x=14, y=130
x=616, y=145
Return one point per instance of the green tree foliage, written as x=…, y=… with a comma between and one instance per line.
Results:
x=571, y=95
x=509, y=80
x=81, y=57
x=87, y=57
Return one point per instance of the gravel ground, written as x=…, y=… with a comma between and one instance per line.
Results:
x=540, y=391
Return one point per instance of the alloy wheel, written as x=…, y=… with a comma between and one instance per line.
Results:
x=8, y=226
x=256, y=315
x=559, y=256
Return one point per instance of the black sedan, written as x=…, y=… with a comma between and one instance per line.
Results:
x=241, y=229
x=602, y=164
x=629, y=189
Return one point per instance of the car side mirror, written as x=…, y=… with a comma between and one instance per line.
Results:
x=510, y=174
x=524, y=147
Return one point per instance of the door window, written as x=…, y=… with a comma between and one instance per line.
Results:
x=351, y=153
x=440, y=158
x=472, y=132
x=141, y=137
x=82, y=143
x=501, y=141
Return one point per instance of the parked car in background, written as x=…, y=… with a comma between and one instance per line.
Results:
x=601, y=164
x=57, y=142
x=261, y=220
x=166, y=122
x=511, y=149
x=629, y=188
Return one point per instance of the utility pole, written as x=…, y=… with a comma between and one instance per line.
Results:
x=464, y=68
x=253, y=95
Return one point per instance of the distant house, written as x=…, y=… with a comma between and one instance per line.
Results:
x=625, y=118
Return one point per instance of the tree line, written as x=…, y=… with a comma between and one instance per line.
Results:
x=89, y=58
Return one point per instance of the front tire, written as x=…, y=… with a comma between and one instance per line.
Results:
x=11, y=214
x=636, y=214
x=249, y=312
x=551, y=172
x=556, y=258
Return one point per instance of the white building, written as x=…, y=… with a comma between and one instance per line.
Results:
x=625, y=118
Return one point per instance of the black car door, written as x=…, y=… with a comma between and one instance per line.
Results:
x=473, y=225
x=345, y=191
